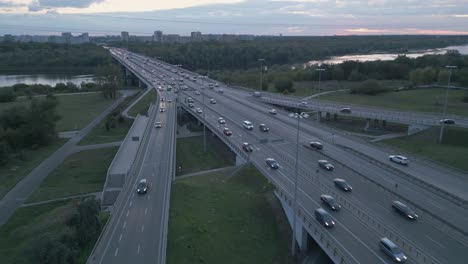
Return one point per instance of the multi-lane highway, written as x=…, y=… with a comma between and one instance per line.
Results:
x=439, y=236
x=137, y=230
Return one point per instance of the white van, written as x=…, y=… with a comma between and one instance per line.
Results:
x=248, y=125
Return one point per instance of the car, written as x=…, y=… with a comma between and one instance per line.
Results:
x=302, y=103
x=324, y=218
x=191, y=105
x=162, y=99
x=216, y=84
x=263, y=128
x=169, y=100
x=197, y=93
x=142, y=186
x=158, y=125
x=221, y=120
x=272, y=111
x=399, y=159
x=326, y=165
x=316, y=145
x=345, y=110
x=392, y=250
x=212, y=101
x=220, y=91
x=330, y=202
x=447, y=122
x=248, y=125
x=272, y=163
x=161, y=109
x=227, y=132
x=199, y=110
x=247, y=147
x=343, y=185
x=404, y=210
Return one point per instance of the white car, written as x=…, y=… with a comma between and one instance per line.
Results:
x=158, y=125
x=399, y=159
x=272, y=111
x=199, y=110
x=197, y=93
x=221, y=120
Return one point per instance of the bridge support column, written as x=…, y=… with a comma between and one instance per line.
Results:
x=301, y=232
x=319, y=115
x=335, y=117
x=376, y=123
x=384, y=123
x=366, y=127
x=327, y=116
x=413, y=129
x=240, y=160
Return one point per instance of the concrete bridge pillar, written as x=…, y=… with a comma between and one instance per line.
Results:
x=376, y=123
x=384, y=123
x=327, y=116
x=366, y=127
x=319, y=115
x=335, y=117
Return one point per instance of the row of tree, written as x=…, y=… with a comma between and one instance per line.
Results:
x=64, y=248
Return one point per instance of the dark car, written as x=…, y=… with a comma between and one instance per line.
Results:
x=191, y=105
x=227, y=132
x=212, y=101
x=272, y=163
x=161, y=109
x=247, y=147
x=142, y=186
x=343, y=185
x=404, y=210
x=263, y=128
x=392, y=250
x=162, y=99
x=447, y=121
x=324, y=217
x=316, y=145
x=326, y=165
x=345, y=110
x=330, y=202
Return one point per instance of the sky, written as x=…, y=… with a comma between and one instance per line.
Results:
x=259, y=17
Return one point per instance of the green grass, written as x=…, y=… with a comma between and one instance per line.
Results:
x=29, y=223
x=81, y=173
x=76, y=111
x=452, y=152
x=424, y=100
x=99, y=134
x=16, y=169
x=144, y=103
x=357, y=125
x=216, y=218
x=191, y=158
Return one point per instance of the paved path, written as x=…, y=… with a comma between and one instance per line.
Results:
x=206, y=172
x=323, y=93
x=98, y=146
x=96, y=194
x=125, y=112
x=23, y=189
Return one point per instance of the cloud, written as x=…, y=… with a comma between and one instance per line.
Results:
x=37, y=5
x=8, y=4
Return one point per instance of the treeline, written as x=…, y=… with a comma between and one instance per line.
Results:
x=428, y=69
x=27, y=127
x=23, y=57
x=83, y=228
x=285, y=50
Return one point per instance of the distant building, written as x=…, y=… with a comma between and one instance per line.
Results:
x=158, y=36
x=124, y=36
x=196, y=36
x=66, y=37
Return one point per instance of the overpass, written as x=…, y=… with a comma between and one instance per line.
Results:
x=439, y=236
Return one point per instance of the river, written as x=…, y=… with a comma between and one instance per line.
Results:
x=388, y=56
x=50, y=79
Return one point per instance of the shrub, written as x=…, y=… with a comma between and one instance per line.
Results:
x=7, y=95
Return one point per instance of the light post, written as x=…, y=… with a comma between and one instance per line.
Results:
x=320, y=70
x=261, y=73
x=204, y=119
x=442, y=124
x=296, y=175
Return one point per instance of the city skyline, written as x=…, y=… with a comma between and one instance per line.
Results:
x=258, y=17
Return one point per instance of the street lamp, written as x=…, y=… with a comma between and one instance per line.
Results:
x=320, y=70
x=204, y=116
x=296, y=175
x=261, y=72
x=442, y=124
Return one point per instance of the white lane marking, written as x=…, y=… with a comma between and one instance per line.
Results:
x=435, y=242
x=142, y=228
x=128, y=212
x=148, y=197
x=124, y=224
x=146, y=211
x=131, y=202
x=138, y=250
x=133, y=195
x=120, y=237
x=116, y=252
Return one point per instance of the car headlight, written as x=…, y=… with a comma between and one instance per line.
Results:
x=410, y=216
x=397, y=259
x=326, y=223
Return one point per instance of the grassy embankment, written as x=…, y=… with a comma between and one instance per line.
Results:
x=142, y=106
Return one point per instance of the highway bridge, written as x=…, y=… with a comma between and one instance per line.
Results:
x=438, y=194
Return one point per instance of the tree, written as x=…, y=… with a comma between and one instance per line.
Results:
x=283, y=84
x=109, y=78
x=443, y=76
x=49, y=249
x=7, y=95
x=369, y=87
x=4, y=151
x=465, y=98
x=86, y=221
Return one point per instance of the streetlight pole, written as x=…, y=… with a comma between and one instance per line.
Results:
x=204, y=119
x=296, y=175
x=261, y=72
x=442, y=124
x=320, y=70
